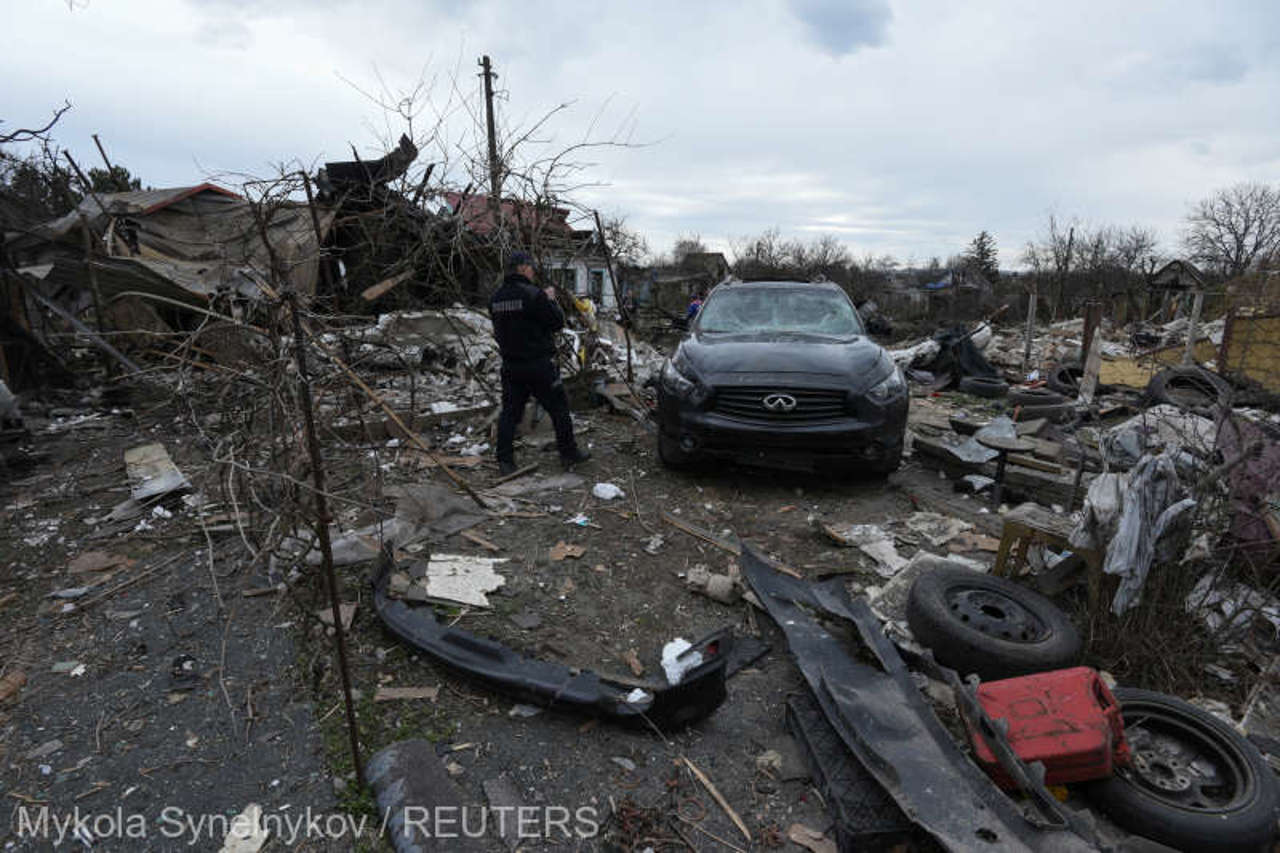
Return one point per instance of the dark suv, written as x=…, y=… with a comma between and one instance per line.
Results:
x=781, y=374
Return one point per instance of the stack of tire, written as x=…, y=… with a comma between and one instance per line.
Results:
x=1194, y=784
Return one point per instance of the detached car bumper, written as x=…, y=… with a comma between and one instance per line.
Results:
x=870, y=433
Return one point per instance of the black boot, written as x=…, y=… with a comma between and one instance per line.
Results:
x=579, y=455
x=505, y=468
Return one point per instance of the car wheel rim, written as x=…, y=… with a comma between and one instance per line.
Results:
x=996, y=614
x=1182, y=764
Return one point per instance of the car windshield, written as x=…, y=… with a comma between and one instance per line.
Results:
x=779, y=310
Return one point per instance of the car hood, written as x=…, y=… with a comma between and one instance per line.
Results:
x=856, y=363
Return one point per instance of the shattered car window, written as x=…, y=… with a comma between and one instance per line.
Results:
x=779, y=310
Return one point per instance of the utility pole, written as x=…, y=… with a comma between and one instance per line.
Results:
x=495, y=165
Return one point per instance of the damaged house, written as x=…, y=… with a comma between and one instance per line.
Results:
x=150, y=256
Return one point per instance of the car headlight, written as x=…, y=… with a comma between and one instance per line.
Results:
x=679, y=380
x=888, y=388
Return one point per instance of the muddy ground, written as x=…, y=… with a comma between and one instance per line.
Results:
x=167, y=687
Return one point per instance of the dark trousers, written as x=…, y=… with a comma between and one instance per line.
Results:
x=541, y=380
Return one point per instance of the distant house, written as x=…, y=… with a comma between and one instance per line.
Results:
x=1178, y=276
x=571, y=258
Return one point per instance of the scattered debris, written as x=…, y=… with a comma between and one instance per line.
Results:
x=718, y=797
x=526, y=619
x=152, y=473
x=98, y=561
x=678, y=658
x=346, y=611
x=388, y=694
x=462, y=579
x=607, y=491
x=44, y=750
x=632, y=659
x=246, y=833
x=874, y=541
x=11, y=684
x=563, y=550
x=810, y=839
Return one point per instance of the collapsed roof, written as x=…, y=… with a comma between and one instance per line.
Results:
x=183, y=243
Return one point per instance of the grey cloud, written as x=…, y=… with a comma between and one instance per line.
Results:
x=1219, y=64
x=225, y=33
x=842, y=26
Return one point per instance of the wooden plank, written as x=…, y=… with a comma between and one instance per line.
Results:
x=1032, y=462
x=374, y=291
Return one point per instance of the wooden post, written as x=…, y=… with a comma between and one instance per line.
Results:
x=495, y=165
x=315, y=224
x=107, y=363
x=1193, y=327
x=1031, y=328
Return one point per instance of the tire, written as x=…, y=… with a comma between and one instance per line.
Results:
x=671, y=456
x=988, y=625
x=1189, y=387
x=1035, y=397
x=983, y=386
x=1194, y=783
x=1064, y=379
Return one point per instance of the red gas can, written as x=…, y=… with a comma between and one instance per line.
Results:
x=1067, y=719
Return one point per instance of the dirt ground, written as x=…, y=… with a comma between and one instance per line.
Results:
x=167, y=687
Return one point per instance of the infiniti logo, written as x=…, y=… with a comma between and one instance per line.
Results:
x=779, y=402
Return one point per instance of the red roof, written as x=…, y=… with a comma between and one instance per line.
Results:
x=478, y=216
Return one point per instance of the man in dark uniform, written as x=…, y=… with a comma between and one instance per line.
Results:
x=525, y=320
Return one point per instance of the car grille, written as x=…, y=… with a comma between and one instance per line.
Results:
x=813, y=405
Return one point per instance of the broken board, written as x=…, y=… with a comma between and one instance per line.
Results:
x=151, y=472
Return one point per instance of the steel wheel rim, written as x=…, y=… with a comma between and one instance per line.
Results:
x=996, y=614
x=1182, y=764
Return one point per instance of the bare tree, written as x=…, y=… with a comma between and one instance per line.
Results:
x=1227, y=232
x=629, y=247
x=685, y=245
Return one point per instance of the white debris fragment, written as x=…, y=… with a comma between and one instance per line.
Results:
x=936, y=528
x=464, y=579
x=676, y=666
x=636, y=696
x=655, y=543
x=874, y=541
x=607, y=491
x=245, y=834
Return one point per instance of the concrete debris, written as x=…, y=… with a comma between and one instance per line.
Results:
x=1230, y=607
x=462, y=579
x=874, y=541
x=937, y=529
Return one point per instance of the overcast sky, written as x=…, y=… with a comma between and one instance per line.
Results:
x=900, y=127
